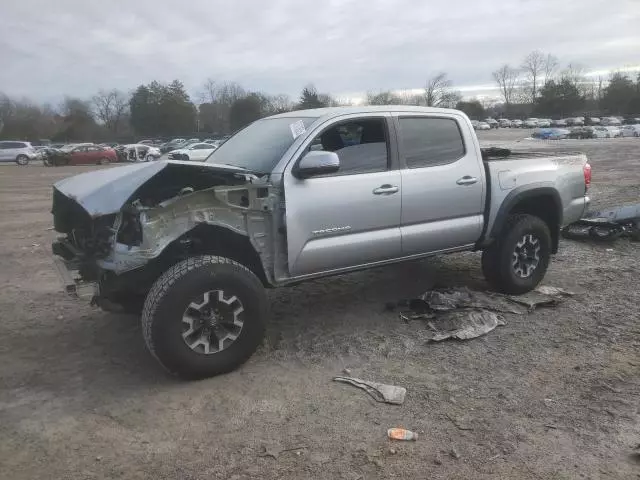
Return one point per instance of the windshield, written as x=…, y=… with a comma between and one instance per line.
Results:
x=68, y=148
x=260, y=146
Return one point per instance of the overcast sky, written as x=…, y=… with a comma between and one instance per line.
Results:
x=49, y=48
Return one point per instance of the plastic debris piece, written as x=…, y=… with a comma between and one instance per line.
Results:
x=401, y=434
x=534, y=299
x=554, y=291
x=464, y=325
x=379, y=391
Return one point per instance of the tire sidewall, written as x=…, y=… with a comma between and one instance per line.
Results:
x=22, y=160
x=527, y=224
x=166, y=330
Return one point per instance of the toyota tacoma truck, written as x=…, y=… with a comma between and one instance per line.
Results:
x=298, y=196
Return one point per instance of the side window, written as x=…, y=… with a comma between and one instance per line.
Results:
x=5, y=146
x=361, y=145
x=427, y=142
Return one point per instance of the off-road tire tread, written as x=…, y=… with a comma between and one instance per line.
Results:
x=168, y=279
x=492, y=256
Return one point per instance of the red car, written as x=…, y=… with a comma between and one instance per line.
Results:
x=89, y=155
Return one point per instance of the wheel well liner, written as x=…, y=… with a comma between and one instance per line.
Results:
x=207, y=239
x=543, y=202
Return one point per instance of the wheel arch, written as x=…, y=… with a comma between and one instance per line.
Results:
x=542, y=201
x=207, y=239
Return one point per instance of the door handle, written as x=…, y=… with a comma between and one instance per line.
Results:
x=467, y=180
x=385, y=189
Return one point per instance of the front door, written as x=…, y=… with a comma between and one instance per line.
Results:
x=442, y=183
x=351, y=217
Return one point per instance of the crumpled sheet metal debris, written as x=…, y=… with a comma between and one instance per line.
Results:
x=463, y=314
x=379, y=391
x=464, y=325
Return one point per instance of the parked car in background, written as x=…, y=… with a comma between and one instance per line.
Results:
x=86, y=154
x=194, y=140
x=630, y=131
x=614, y=131
x=517, y=123
x=483, y=126
x=492, y=122
x=592, y=121
x=474, y=124
x=172, y=144
x=196, y=152
x=139, y=152
x=504, y=123
x=610, y=121
x=530, y=123
x=632, y=121
x=582, y=132
x=561, y=123
x=550, y=133
x=575, y=122
x=19, y=152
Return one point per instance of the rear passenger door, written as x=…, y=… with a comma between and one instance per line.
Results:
x=442, y=183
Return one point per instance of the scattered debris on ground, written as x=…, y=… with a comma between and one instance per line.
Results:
x=275, y=451
x=401, y=434
x=379, y=391
x=463, y=314
x=607, y=225
x=464, y=325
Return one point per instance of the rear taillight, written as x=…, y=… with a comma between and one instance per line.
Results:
x=587, y=175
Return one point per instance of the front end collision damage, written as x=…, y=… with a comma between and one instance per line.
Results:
x=158, y=211
x=245, y=210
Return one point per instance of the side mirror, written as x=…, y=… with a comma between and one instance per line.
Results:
x=317, y=163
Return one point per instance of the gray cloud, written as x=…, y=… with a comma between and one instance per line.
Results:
x=76, y=47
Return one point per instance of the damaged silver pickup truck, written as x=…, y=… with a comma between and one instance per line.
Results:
x=299, y=196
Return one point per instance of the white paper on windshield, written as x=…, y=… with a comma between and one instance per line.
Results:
x=297, y=129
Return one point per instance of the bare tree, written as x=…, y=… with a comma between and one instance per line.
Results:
x=575, y=74
x=110, y=108
x=506, y=77
x=209, y=91
x=533, y=66
x=438, y=92
x=383, y=98
x=550, y=67
x=279, y=103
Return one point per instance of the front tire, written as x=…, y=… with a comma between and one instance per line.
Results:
x=518, y=260
x=22, y=160
x=205, y=316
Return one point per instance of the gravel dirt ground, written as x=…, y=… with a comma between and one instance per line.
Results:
x=555, y=394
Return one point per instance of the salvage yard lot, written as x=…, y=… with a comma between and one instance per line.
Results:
x=555, y=394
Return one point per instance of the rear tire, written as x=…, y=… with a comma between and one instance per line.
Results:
x=104, y=161
x=192, y=293
x=518, y=260
x=22, y=160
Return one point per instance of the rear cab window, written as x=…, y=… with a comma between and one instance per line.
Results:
x=430, y=141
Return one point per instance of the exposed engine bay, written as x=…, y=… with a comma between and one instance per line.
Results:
x=155, y=213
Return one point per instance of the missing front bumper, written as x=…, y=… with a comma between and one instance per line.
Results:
x=71, y=283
